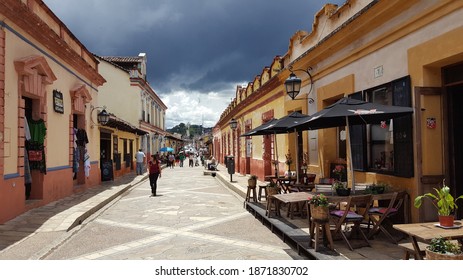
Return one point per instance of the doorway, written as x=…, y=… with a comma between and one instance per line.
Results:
x=455, y=136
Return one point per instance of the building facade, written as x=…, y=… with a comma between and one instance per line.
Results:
x=405, y=53
x=137, y=113
x=48, y=83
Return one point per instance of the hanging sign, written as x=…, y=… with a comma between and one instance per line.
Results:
x=431, y=123
x=58, y=104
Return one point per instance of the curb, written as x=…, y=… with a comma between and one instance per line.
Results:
x=103, y=203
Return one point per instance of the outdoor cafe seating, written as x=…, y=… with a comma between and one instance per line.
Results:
x=355, y=212
x=381, y=216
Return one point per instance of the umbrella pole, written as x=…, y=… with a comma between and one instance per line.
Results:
x=351, y=164
x=297, y=156
x=276, y=154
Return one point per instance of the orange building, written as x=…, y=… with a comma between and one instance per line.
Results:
x=48, y=83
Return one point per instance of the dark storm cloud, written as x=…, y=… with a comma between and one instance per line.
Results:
x=192, y=45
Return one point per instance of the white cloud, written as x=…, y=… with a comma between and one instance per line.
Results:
x=196, y=107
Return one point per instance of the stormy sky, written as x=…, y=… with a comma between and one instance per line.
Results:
x=198, y=50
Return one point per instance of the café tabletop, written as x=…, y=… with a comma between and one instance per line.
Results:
x=427, y=231
x=430, y=230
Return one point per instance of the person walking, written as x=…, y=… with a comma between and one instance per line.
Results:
x=140, y=159
x=181, y=158
x=154, y=174
x=172, y=160
x=191, y=158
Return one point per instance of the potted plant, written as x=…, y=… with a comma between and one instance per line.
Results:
x=341, y=188
x=288, y=161
x=252, y=181
x=272, y=188
x=443, y=249
x=377, y=188
x=339, y=170
x=444, y=203
x=319, y=207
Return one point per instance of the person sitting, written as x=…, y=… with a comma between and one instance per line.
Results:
x=212, y=165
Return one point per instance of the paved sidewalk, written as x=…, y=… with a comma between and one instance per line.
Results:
x=33, y=234
x=37, y=231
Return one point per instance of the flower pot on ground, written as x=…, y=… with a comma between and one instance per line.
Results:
x=252, y=181
x=443, y=201
x=443, y=249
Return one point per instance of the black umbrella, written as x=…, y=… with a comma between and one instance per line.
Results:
x=279, y=126
x=284, y=125
x=349, y=111
x=261, y=129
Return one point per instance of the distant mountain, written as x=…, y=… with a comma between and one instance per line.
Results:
x=193, y=130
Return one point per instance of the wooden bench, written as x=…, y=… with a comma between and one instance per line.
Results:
x=409, y=250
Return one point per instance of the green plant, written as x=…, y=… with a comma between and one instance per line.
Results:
x=253, y=177
x=319, y=200
x=442, y=245
x=443, y=200
x=337, y=185
x=377, y=188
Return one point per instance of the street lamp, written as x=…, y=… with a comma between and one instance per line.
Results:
x=231, y=162
x=293, y=85
x=102, y=117
x=233, y=124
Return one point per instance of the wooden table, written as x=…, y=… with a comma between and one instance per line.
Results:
x=427, y=231
x=293, y=198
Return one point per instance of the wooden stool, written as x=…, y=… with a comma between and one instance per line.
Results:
x=272, y=206
x=262, y=187
x=251, y=190
x=322, y=230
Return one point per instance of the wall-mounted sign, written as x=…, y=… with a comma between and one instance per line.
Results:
x=378, y=71
x=58, y=104
x=431, y=122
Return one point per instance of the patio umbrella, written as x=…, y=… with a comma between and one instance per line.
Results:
x=347, y=111
x=262, y=130
x=284, y=124
x=280, y=126
x=166, y=149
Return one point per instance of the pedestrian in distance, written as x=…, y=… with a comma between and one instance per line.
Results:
x=181, y=158
x=140, y=159
x=191, y=158
x=172, y=160
x=154, y=173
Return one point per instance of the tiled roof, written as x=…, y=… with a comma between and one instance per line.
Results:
x=123, y=59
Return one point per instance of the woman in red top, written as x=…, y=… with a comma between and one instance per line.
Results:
x=154, y=174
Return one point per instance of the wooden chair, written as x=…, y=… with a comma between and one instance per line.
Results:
x=380, y=216
x=355, y=212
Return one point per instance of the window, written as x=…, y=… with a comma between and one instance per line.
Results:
x=381, y=141
x=385, y=147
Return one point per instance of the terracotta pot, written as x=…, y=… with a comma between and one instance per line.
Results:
x=252, y=183
x=437, y=256
x=272, y=191
x=319, y=213
x=446, y=221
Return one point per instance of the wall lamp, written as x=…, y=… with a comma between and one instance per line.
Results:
x=233, y=124
x=293, y=84
x=102, y=117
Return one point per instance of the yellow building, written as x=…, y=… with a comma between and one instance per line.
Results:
x=137, y=114
x=405, y=52
x=48, y=83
